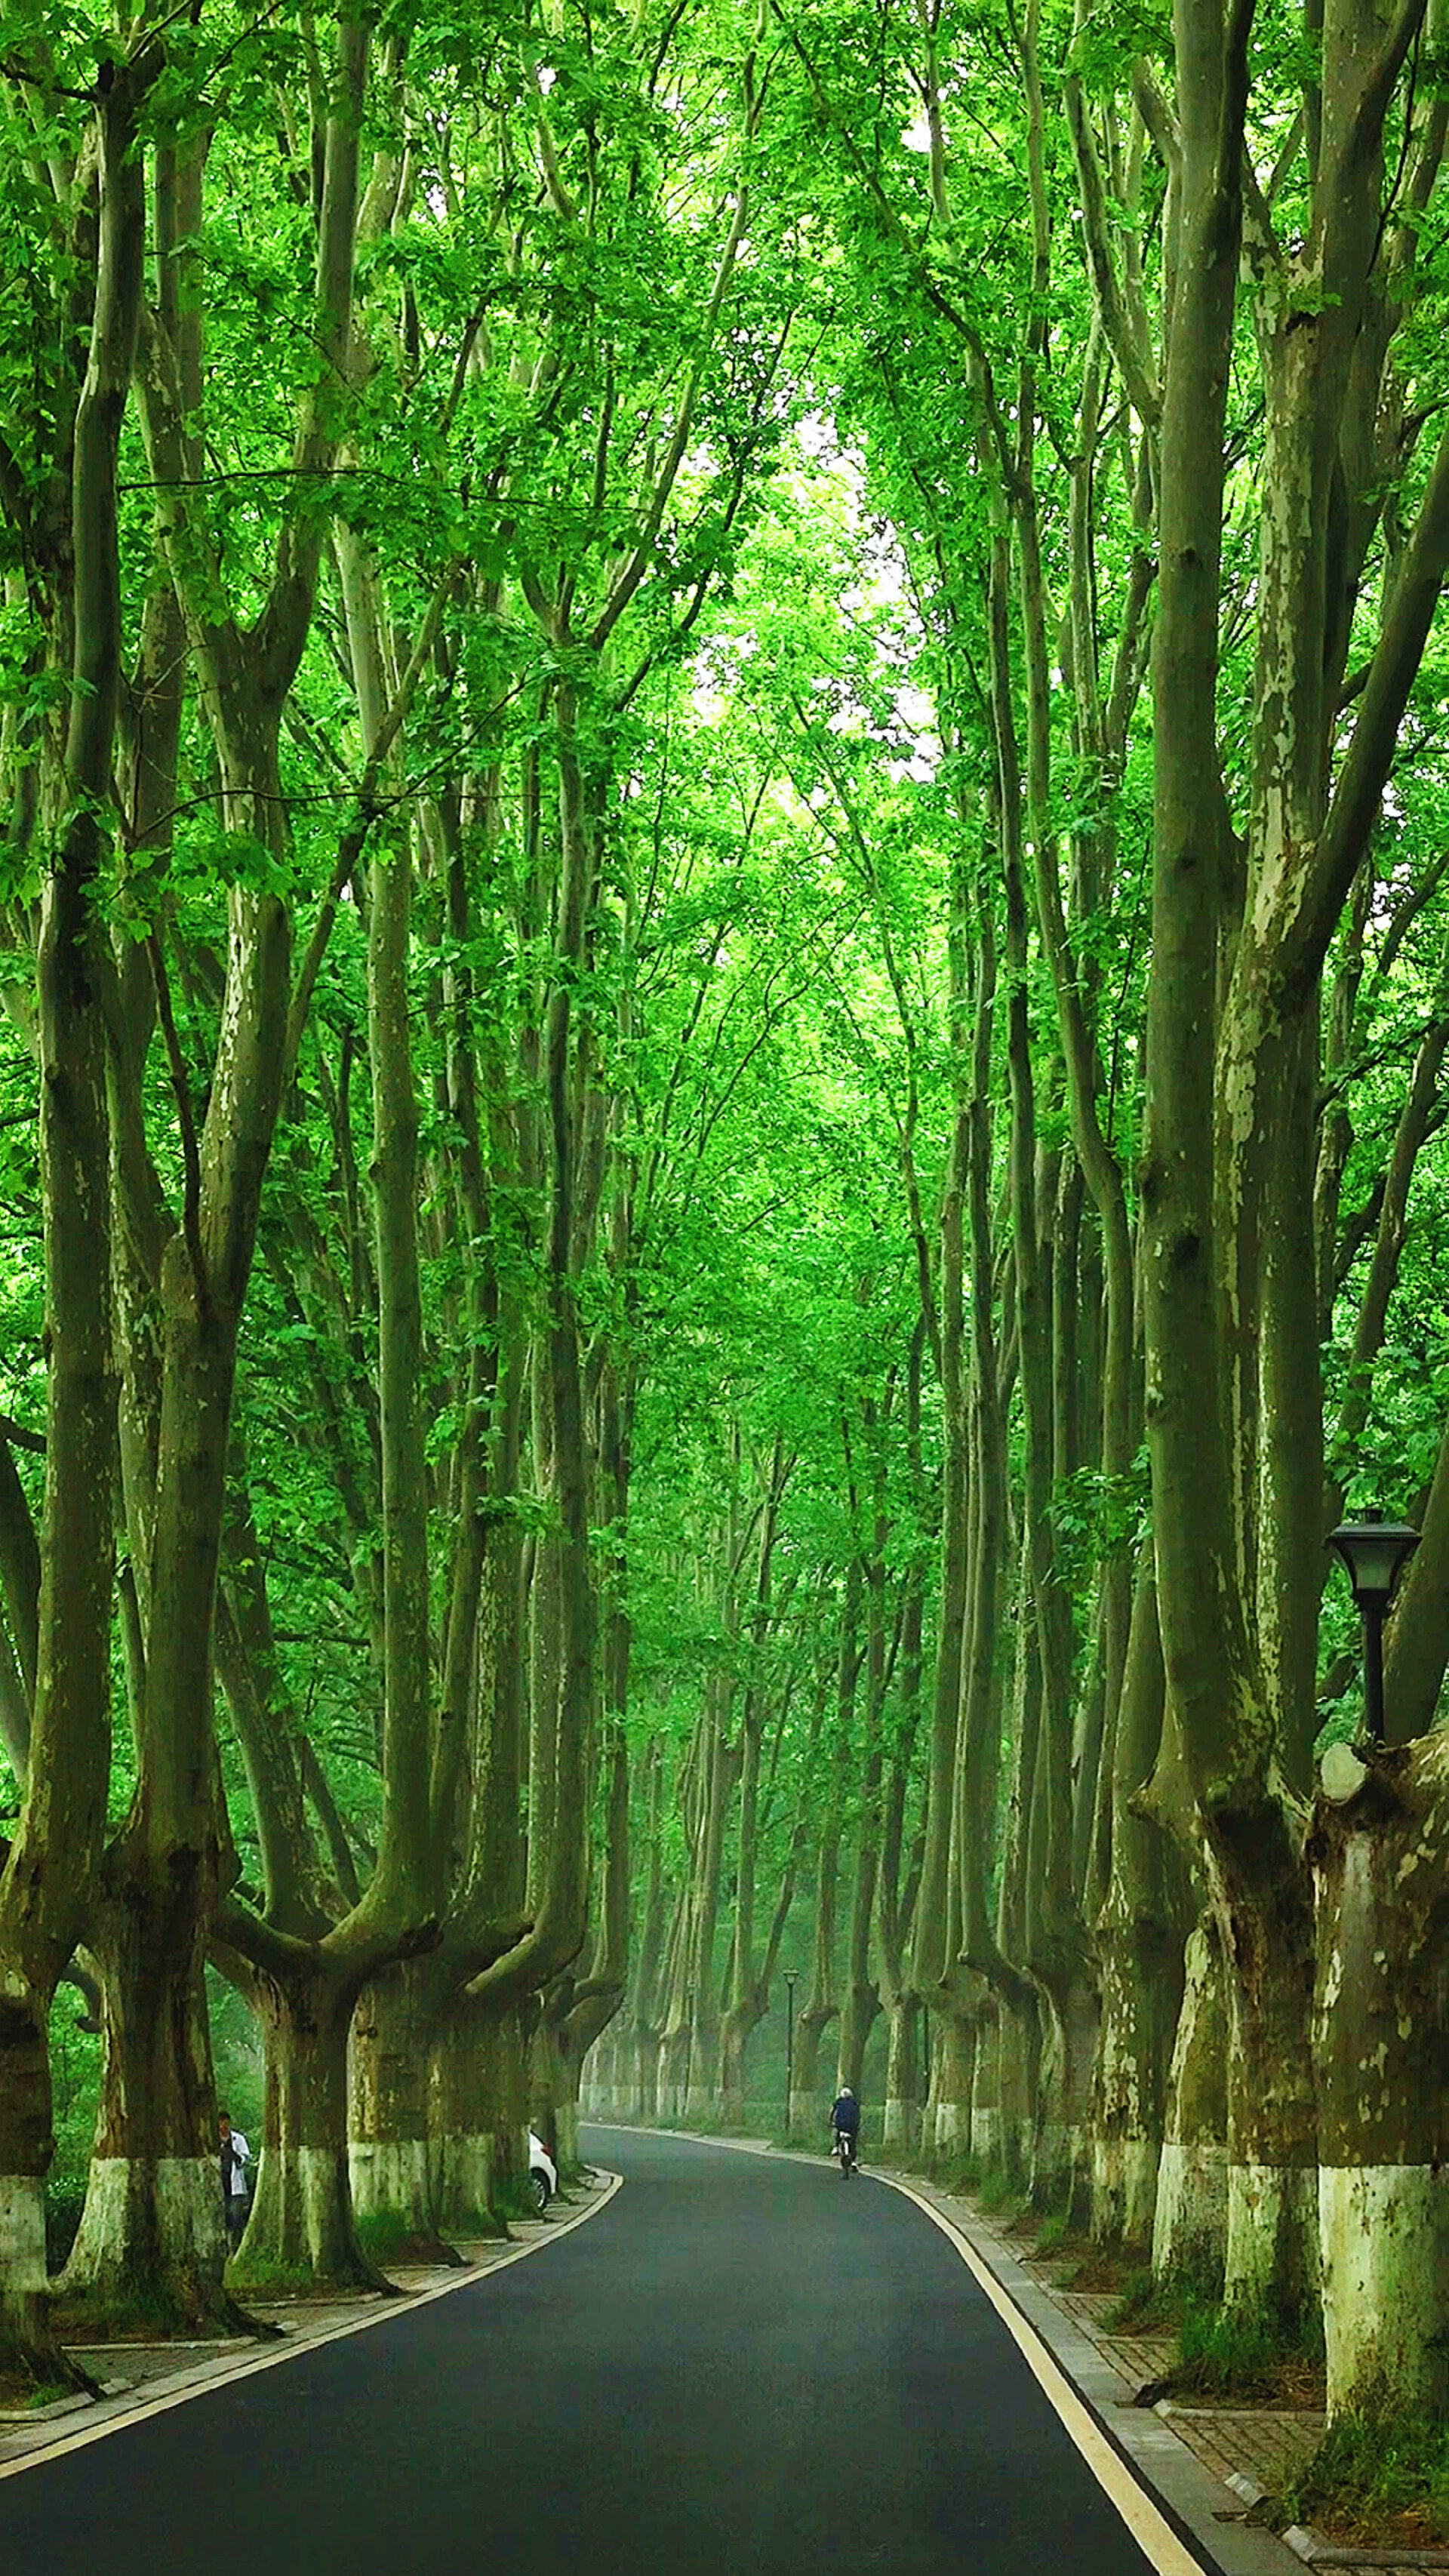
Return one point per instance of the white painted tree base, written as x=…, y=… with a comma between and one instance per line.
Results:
x=1384, y=2236
x=297, y=2214
x=986, y=2132
x=1140, y=2161
x=22, y=2237
x=390, y=2179
x=953, y=2125
x=465, y=2177
x=1125, y=2183
x=1270, y=2208
x=901, y=2122
x=1190, y=2220
x=185, y=2194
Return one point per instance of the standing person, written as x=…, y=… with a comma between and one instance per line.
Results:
x=845, y=2122
x=236, y=2155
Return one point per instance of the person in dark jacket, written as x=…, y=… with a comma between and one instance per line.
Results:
x=845, y=2118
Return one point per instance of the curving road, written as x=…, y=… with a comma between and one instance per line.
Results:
x=741, y=2364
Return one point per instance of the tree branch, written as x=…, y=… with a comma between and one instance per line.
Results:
x=1369, y=759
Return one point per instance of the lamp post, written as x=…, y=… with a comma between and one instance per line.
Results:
x=790, y=1976
x=1375, y=1552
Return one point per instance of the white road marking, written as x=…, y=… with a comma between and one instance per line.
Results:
x=162, y=2404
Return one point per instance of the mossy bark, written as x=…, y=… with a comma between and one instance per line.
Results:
x=1190, y=2217
x=1139, y=1953
x=901, y=2123
x=391, y=2156
x=152, y=2247
x=302, y=2228
x=948, y=2108
x=1381, y=2053
x=49, y=1868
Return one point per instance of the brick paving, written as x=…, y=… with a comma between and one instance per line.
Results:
x=1139, y=2358
x=1091, y=2308
x=1268, y=2447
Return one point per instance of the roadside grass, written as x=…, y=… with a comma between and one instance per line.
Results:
x=1225, y=2351
x=1098, y=2269
x=1233, y=2351
x=22, y=2393
x=1378, y=2477
x=471, y=2223
x=509, y=2197
x=144, y=2316
x=386, y=2236
x=257, y=2279
x=961, y=2175
x=1000, y=2195
x=1146, y=2305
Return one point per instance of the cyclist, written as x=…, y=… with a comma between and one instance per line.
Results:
x=845, y=2122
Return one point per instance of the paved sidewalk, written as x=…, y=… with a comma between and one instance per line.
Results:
x=140, y=2375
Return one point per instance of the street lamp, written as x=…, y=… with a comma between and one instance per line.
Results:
x=790, y=1976
x=1375, y=1551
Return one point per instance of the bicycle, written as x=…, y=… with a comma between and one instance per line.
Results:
x=845, y=2149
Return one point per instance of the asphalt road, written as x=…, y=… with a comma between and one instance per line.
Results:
x=741, y=2365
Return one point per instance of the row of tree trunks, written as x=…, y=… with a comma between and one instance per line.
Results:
x=51, y=1867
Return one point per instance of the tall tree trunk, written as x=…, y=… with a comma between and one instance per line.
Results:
x=1190, y=2217
x=1381, y=2052
x=151, y=2237
x=1019, y=2020
x=391, y=2148
x=49, y=1870
x=302, y=2228
x=1139, y=1949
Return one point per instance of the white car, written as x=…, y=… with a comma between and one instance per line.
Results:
x=542, y=2173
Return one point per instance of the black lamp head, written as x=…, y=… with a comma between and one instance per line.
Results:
x=1375, y=1552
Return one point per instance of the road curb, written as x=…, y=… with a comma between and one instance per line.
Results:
x=115, y=2414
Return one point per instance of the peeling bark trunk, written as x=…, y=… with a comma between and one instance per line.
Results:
x=302, y=2224
x=152, y=2241
x=1263, y=1903
x=49, y=1869
x=145, y=2243
x=390, y=2151
x=164, y=1868
x=1139, y=1952
x=1190, y=2219
x=1020, y=2048
x=480, y=2098
x=820, y=2008
x=948, y=2106
x=901, y=2120
x=986, y=2086
x=1019, y=2023
x=1381, y=2050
